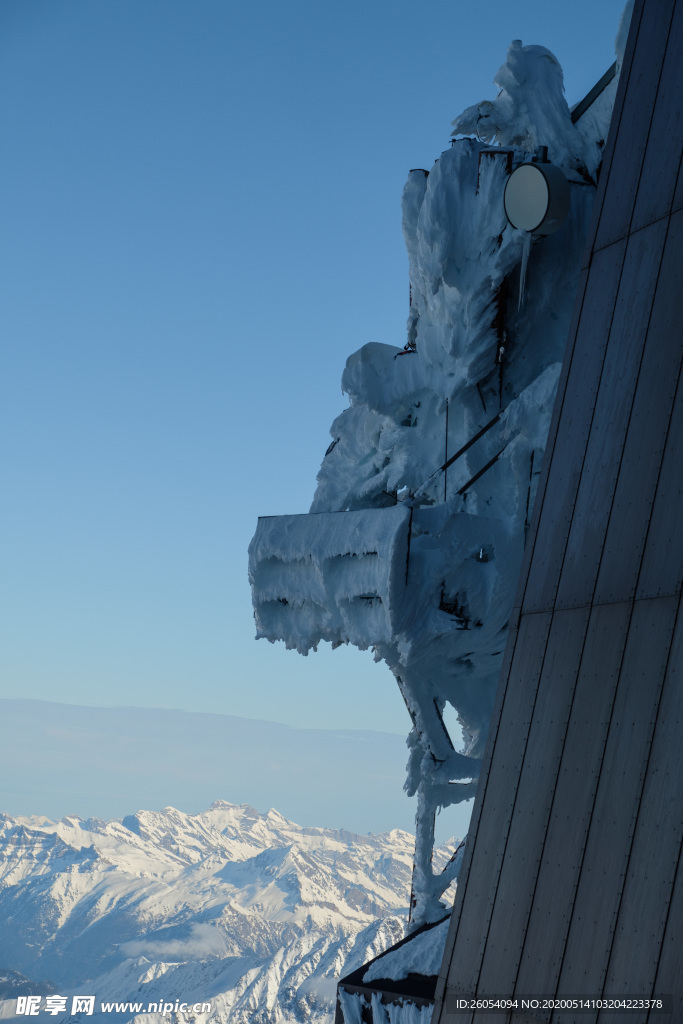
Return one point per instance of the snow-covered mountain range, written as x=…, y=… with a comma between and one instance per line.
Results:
x=249, y=912
x=336, y=777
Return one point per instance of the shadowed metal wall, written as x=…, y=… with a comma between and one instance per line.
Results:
x=572, y=882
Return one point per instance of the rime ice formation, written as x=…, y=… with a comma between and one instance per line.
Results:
x=424, y=497
x=530, y=111
x=407, y=1013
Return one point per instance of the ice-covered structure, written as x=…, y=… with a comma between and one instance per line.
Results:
x=571, y=889
x=414, y=540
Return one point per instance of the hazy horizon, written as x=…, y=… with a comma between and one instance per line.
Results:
x=59, y=759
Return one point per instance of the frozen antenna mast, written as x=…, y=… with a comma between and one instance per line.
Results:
x=424, y=500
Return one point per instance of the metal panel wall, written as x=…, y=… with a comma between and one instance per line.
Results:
x=580, y=763
x=660, y=572
x=573, y=878
x=550, y=444
x=656, y=852
x=632, y=137
x=611, y=417
x=664, y=144
x=533, y=799
x=641, y=458
x=573, y=429
x=488, y=847
x=618, y=798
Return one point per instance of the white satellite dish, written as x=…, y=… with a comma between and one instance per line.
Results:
x=537, y=198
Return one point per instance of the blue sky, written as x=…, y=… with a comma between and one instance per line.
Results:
x=201, y=221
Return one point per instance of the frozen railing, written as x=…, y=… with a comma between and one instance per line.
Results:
x=462, y=451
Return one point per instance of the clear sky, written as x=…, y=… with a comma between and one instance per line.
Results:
x=200, y=222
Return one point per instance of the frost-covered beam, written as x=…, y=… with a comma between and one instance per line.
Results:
x=338, y=577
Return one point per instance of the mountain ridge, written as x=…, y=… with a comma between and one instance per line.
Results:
x=249, y=911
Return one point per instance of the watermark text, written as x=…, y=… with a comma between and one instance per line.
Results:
x=32, y=1006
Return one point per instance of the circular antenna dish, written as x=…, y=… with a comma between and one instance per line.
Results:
x=537, y=198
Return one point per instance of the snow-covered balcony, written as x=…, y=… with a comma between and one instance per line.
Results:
x=333, y=576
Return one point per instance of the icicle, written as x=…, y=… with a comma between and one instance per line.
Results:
x=526, y=249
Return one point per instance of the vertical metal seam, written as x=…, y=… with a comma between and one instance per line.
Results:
x=606, y=169
x=666, y=920
x=661, y=464
x=649, y=129
x=559, y=769
x=605, y=742
x=514, y=802
x=470, y=847
x=675, y=209
x=640, y=799
x=628, y=427
x=595, y=794
x=550, y=449
x=590, y=424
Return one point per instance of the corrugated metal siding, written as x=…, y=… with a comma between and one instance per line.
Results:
x=572, y=882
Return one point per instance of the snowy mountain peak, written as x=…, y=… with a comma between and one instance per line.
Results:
x=249, y=910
